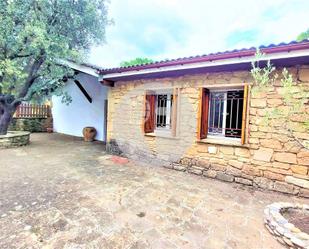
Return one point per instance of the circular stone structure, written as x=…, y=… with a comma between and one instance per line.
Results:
x=284, y=231
x=14, y=139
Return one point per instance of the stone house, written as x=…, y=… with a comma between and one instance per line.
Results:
x=198, y=114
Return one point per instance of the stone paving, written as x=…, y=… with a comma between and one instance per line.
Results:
x=60, y=192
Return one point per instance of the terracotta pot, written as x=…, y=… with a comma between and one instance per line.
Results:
x=89, y=133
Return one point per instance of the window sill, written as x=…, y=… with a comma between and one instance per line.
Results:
x=161, y=135
x=222, y=141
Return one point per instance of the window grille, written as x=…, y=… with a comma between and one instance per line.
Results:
x=164, y=111
x=225, y=113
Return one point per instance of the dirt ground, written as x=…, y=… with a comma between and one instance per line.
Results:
x=60, y=192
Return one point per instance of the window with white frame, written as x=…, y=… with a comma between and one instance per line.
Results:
x=163, y=113
x=225, y=113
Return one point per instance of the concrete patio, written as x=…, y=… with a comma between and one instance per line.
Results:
x=60, y=192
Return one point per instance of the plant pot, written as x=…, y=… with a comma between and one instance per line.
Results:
x=89, y=133
x=50, y=130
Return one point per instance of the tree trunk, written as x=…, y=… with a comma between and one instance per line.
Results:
x=7, y=110
x=5, y=120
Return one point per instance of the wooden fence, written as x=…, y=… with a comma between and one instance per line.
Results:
x=32, y=111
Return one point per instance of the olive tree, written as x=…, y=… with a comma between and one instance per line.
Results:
x=295, y=96
x=34, y=35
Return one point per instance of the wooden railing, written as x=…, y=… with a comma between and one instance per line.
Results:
x=32, y=111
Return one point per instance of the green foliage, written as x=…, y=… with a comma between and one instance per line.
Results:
x=294, y=96
x=262, y=76
x=27, y=124
x=135, y=62
x=303, y=36
x=35, y=34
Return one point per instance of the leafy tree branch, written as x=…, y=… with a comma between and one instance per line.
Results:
x=292, y=116
x=135, y=62
x=34, y=35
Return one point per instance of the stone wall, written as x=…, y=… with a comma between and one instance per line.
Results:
x=31, y=124
x=14, y=139
x=270, y=159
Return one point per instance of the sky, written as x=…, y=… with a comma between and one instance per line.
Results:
x=167, y=29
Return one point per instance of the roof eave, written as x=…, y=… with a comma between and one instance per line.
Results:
x=202, y=65
x=213, y=57
x=81, y=68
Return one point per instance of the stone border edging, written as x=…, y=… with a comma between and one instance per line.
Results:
x=286, y=233
x=14, y=139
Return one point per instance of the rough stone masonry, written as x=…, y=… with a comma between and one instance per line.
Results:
x=270, y=159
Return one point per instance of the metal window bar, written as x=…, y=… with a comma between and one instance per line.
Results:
x=171, y=111
x=213, y=114
x=163, y=100
x=164, y=110
x=219, y=123
x=222, y=122
x=231, y=113
x=237, y=112
x=161, y=105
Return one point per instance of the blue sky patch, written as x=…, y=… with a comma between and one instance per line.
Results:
x=239, y=37
x=160, y=29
